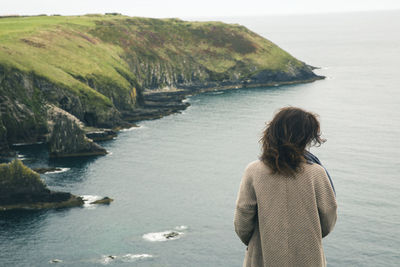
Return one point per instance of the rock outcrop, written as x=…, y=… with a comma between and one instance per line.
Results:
x=22, y=188
x=42, y=170
x=101, y=134
x=67, y=137
x=104, y=201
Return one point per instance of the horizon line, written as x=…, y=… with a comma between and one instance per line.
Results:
x=212, y=16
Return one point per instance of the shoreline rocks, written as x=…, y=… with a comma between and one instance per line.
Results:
x=160, y=103
x=22, y=188
x=67, y=137
x=101, y=135
x=103, y=201
x=43, y=170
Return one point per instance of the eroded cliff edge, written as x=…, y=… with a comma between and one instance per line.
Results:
x=22, y=188
x=110, y=71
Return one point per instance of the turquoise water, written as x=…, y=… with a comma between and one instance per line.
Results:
x=185, y=169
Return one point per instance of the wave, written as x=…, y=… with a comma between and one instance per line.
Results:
x=106, y=259
x=87, y=199
x=27, y=144
x=59, y=171
x=162, y=236
x=132, y=128
x=166, y=235
x=55, y=261
x=181, y=227
x=134, y=257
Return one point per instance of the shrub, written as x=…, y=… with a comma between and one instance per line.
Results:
x=16, y=177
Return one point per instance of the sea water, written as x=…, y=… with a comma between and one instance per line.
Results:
x=181, y=173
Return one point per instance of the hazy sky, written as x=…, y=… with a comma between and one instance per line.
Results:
x=189, y=8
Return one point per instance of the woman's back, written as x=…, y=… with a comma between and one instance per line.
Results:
x=282, y=218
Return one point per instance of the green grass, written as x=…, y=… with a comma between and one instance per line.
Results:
x=16, y=176
x=57, y=48
x=101, y=58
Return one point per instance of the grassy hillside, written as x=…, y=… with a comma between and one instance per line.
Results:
x=67, y=50
x=97, y=66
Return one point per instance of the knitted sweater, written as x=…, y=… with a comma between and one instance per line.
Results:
x=283, y=219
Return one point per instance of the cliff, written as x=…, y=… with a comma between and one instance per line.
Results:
x=67, y=137
x=22, y=188
x=111, y=70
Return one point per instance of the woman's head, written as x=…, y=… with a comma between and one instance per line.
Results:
x=286, y=137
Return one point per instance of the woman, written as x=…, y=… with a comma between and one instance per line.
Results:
x=286, y=202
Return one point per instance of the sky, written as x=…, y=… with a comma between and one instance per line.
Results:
x=189, y=8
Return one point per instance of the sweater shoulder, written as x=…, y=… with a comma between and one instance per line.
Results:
x=314, y=171
x=314, y=167
x=254, y=165
x=257, y=168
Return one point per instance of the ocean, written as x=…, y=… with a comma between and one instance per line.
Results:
x=182, y=172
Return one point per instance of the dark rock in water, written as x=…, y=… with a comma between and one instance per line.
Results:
x=22, y=188
x=67, y=138
x=101, y=135
x=157, y=105
x=46, y=169
x=171, y=235
x=55, y=261
x=112, y=257
x=105, y=200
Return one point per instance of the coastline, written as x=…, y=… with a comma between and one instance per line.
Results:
x=73, y=201
x=161, y=103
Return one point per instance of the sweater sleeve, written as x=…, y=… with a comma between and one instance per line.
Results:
x=246, y=209
x=326, y=202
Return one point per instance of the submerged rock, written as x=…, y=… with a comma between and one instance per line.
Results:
x=67, y=137
x=163, y=236
x=101, y=135
x=171, y=235
x=105, y=200
x=22, y=188
x=46, y=169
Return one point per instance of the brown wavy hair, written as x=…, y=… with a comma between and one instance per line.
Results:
x=285, y=139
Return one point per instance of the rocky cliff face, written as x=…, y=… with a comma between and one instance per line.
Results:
x=22, y=113
x=67, y=138
x=179, y=54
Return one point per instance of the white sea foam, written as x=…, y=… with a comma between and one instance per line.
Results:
x=181, y=227
x=55, y=261
x=134, y=257
x=107, y=259
x=89, y=199
x=21, y=157
x=132, y=128
x=162, y=236
x=27, y=144
x=59, y=171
